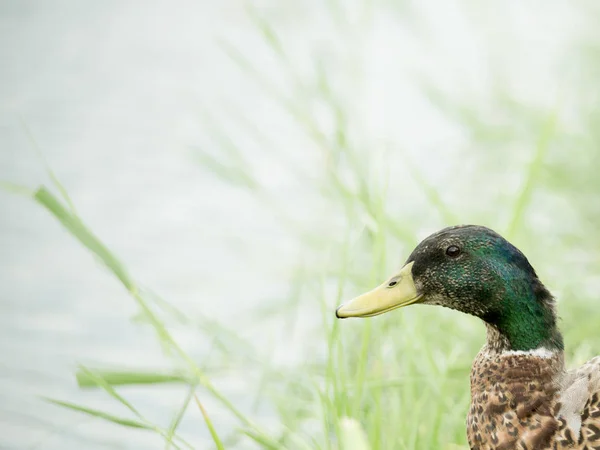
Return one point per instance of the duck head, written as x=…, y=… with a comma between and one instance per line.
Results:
x=474, y=270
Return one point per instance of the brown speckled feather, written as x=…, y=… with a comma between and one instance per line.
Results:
x=527, y=401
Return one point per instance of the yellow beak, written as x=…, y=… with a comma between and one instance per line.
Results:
x=398, y=291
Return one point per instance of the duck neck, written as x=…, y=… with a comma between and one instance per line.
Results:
x=498, y=342
x=525, y=320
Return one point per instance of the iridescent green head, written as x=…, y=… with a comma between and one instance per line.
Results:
x=474, y=270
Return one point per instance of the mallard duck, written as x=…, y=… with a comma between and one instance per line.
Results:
x=521, y=395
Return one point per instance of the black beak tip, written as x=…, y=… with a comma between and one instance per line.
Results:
x=337, y=314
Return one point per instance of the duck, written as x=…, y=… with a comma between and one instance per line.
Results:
x=522, y=397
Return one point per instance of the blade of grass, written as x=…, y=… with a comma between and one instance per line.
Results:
x=229, y=173
x=49, y=170
x=261, y=439
x=72, y=223
x=120, y=378
x=140, y=424
x=177, y=419
x=101, y=382
x=209, y=425
x=267, y=31
x=100, y=414
x=16, y=188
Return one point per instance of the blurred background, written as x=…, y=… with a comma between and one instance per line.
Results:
x=246, y=166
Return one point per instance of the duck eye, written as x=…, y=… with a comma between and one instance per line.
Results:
x=453, y=251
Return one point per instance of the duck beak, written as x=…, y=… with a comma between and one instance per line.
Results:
x=398, y=291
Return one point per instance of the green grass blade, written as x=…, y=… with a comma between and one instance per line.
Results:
x=49, y=170
x=16, y=189
x=72, y=223
x=100, y=414
x=267, y=32
x=76, y=227
x=227, y=172
x=262, y=439
x=101, y=382
x=209, y=424
x=121, y=378
x=177, y=419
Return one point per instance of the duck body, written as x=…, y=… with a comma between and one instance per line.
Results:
x=526, y=400
x=521, y=395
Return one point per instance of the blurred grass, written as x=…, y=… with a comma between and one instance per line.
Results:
x=392, y=382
